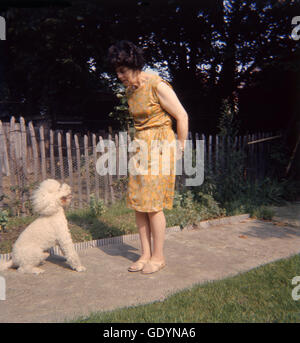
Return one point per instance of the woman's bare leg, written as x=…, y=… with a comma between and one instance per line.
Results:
x=142, y=222
x=158, y=228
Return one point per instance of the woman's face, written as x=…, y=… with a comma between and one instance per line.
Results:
x=126, y=75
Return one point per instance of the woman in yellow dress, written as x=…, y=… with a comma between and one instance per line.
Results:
x=151, y=102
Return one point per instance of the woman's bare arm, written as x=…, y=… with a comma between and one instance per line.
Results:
x=170, y=102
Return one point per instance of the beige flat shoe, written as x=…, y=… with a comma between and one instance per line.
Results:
x=153, y=267
x=137, y=266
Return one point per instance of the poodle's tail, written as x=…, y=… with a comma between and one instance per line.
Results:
x=5, y=265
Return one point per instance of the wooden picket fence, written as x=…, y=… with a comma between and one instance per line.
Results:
x=29, y=155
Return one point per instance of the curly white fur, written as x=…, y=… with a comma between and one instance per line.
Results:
x=49, y=229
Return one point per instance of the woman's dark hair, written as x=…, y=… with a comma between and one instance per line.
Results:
x=125, y=53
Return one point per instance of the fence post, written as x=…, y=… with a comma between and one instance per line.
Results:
x=3, y=146
x=78, y=169
x=11, y=137
x=23, y=146
x=52, y=159
x=23, y=166
x=210, y=152
x=105, y=176
x=87, y=169
x=217, y=153
x=61, y=161
x=34, y=151
x=43, y=153
x=70, y=163
x=95, y=163
x=117, y=156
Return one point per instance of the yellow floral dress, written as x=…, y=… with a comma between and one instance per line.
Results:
x=151, y=179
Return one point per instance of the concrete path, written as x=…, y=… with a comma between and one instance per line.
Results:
x=193, y=256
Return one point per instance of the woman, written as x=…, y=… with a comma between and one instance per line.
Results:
x=151, y=102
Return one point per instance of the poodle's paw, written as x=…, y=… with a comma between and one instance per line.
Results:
x=38, y=271
x=30, y=270
x=45, y=256
x=80, y=269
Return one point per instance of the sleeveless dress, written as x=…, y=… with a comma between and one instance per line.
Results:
x=152, y=189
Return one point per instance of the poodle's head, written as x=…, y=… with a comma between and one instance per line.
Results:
x=50, y=196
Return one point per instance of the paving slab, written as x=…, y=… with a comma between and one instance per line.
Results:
x=192, y=256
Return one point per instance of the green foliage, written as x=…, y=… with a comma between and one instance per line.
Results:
x=184, y=210
x=97, y=207
x=228, y=125
x=120, y=187
x=262, y=213
x=208, y=206
x=190, y=208
x=120, y=112
x=3, y=220
x=278, y=159
x=18, y=202
x=226, y=190
x=229, y=169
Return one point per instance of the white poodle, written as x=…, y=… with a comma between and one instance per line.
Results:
x=49, y=229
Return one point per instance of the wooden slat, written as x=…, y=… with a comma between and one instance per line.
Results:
x=34, y=151
x=210, y=152
x=23, y=164
x=240, y=143
x=43, y=153
x=78, y=170
x=259, y=158
x=250, y=156
x=106, y=181
x=94, y=143
x=264, y=139
x=60, y=154
x=87, y=169
x=13, y=171
x=5, y=164
x=69, y=157
x=205, y=150
x=217, y=165
x=122, y=156
x=235, y=143
x=117, y=155
x=23, y=146
x=52, y=158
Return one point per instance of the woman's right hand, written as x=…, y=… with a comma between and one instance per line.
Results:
x=179, y=151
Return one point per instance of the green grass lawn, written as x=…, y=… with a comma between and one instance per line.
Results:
x=263, y=294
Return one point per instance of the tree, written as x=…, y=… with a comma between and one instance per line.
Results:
x=56, y=57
